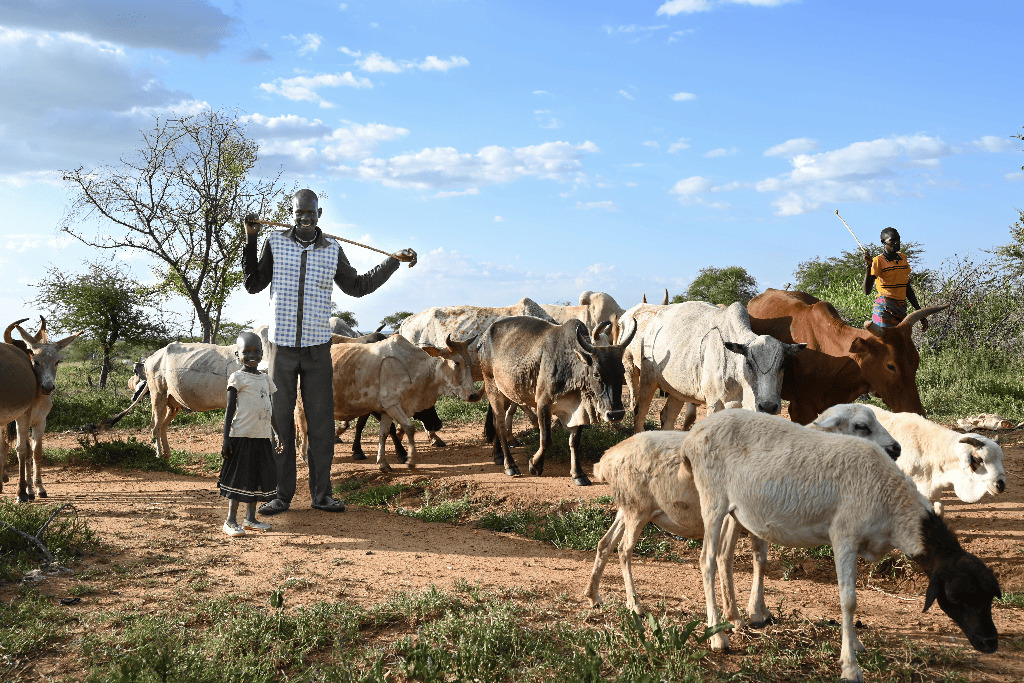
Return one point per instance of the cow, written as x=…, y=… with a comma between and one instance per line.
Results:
x=841, y=362
x=594, y=308
x=338, y=326
x=558, y=372
x=699, y=353
x=190, y=375
x=26, y=400
x=428, y=416
x=395, y=378
x=641, y=314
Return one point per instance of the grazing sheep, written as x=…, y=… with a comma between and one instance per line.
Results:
x=801, y=488
x=937, y=458
x=648, y=486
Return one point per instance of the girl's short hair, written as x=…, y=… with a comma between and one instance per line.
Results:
x=889, y=232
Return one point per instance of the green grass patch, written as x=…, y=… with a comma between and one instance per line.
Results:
x=449, y=510
x=595, y=440
x=954, y=383
x=129, y=454
x=67, y=537
x=1011, y=599
x=30, y=625
x=377, y=496
x=456, y=410
x=580, y=527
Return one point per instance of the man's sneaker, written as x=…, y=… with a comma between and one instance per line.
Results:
x=256, y=525
x=233, y=529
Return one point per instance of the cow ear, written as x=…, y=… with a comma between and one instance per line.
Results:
x=736, y=348
x=860, y=346
x=585, y=357
x=934, y=586
x=432, y=351
x=793, y=349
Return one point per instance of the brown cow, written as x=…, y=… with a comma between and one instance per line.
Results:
x=840, y=362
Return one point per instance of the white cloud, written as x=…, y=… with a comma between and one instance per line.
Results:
x=602, y=206
x=691, y=186
x=625, y=95
x=311, y=145
x=350, y=52
x=540, y=92
x=991, y=143
x=634, y=29
x=309, y=42
x=720, y=152
x=793, y=147
x=683, y=97
x=679, y=145
x=444, y=194
x=1014, y=177
x=674, y=7
x=445, y=167
x=195, y=27
x=304, y=88
x=862, y=171
x=19, y=243
x=653, y=144
x=376, y=63
x=499, y=219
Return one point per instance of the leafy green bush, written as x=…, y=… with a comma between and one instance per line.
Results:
x=131, y=454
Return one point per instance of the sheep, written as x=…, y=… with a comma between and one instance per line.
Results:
x=644, y=473
x=800, y=488
x=937, y=458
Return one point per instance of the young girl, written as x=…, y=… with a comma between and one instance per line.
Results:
x=890, y=272
x=248, y=473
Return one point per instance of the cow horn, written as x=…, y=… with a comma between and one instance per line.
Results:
x=664, y=301
x=7, y=333
x=629, y=337
x=29, y=339
x=599, y=330
x=581, y=337
x=448, y=342
x=382, y=325
x=41, y=336
x=873, y=328
x=921, y=314
x=644, y=300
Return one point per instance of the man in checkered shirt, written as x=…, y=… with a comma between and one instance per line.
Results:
x=302, y=266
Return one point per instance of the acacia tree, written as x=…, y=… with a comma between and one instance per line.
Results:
x=179, y=198
x=720, y=286
x=105, y=303
x=394, y=321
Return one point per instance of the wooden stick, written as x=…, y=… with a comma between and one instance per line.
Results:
x=341, y=239
x=851, y=231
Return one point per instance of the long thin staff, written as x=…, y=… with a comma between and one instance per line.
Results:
x=851, y=231
x=342, y=239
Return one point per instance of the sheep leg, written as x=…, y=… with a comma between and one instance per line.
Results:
x=846, y=571
x=713, y=512
x=385, y=426
x=757, y=611
x=575, y=471
x=605, y=546
x=633, y=526
x=730, y=536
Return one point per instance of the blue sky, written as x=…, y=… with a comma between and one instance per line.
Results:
x=535, y=148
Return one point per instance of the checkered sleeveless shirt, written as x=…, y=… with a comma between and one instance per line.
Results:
x=300, y=291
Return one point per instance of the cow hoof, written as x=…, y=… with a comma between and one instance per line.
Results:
x=761, y=624
x=499, y=460
x=22, y=498
x=537, y=470
x=359, y=456
x=581, y=480
x=401, y=456
x=514, y=443
x=513, y=471
x=385, y=468
x=42, y=493
x=438, y=443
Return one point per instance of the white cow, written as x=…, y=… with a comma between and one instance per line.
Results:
x=699, y=353
x=594, y=308
x=641, y=314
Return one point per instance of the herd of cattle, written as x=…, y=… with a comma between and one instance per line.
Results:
x=781, y=481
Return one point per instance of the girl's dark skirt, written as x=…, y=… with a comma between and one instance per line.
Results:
x=248, y=474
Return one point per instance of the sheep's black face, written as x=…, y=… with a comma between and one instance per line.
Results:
x=965, y=589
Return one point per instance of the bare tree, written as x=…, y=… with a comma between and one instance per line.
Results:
x=179, y=198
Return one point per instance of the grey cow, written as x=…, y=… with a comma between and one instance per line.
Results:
x=557, y=371
x=699, y=353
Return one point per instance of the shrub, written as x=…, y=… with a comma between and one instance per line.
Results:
x=66, y=537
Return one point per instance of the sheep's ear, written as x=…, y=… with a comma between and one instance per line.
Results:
x=829, y=423
x=934, y=586
x=585, y=357
x=972, y=441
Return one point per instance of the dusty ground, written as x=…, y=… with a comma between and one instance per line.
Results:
x=364, y=554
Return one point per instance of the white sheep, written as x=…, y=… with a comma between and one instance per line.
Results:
x=801, y=488
x=646, y=483
x=937, y=458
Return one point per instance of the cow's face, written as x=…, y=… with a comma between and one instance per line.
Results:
x=980, y=468
x=888, y=361
x=458, y=369
x=604, y=375
x=761, y=360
